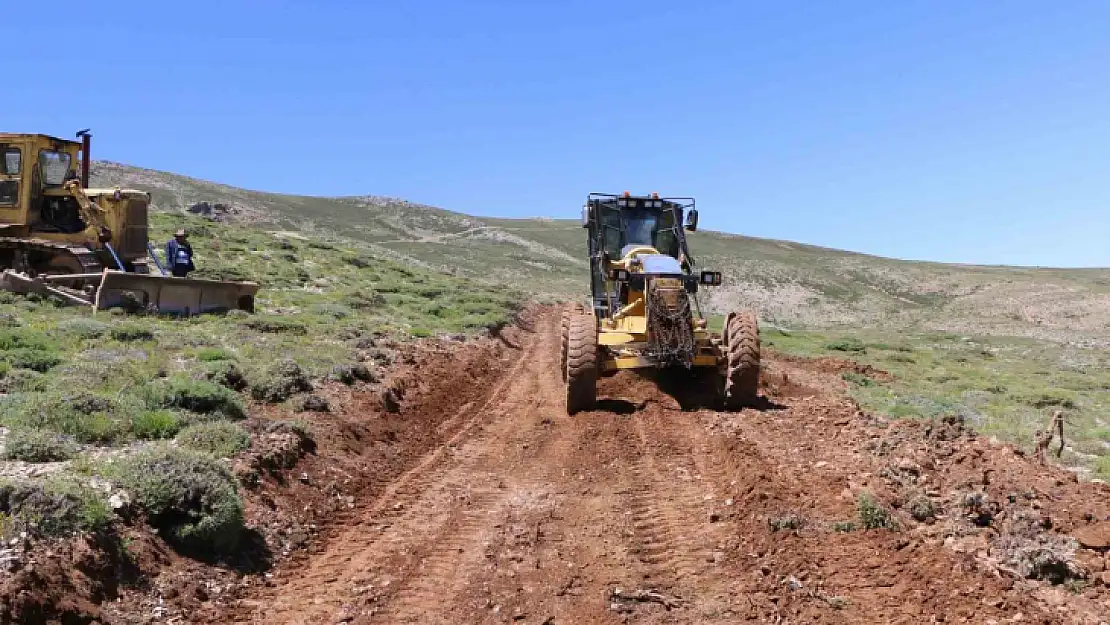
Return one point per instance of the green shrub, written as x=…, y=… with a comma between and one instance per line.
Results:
x=335, y=311
x=922, y=508
x=219, y=438
x=349, y=374
x=280, y=382
x=86, y=417
x=132, y=332
x=846, y=345
x=421, y=333
x=872, y=514
x=1102, y=467
x=155, y=424
x=226, y=374
x=788, y=522
x=365, y=300
x=51, y=508
x=23, y=381
x=1051, y=398
x=857, y=378
x=198, y=396
x=38, y=446
x=311, y=403
x=188, y=495
x=844, y=526
x=298, y=426
x=214, y=354
x=29, y=358
x=83, y=328
x=276, y=325
x=20, y=338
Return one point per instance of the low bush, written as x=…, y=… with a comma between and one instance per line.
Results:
x=23, y=381
x=31, y=358
x=311, y=403
x=86, y=417
x=226, y=374
x=156, y=424
x=219, y=438
x=846, y=345
x=872, y=513
x=280, y=382
x=922, y=508
x=276, y=325
x=51, y=508
x=214, y=354
x=38, y=446
x=199, y=396
x=188, y=495
x=82, y=328
x=132, y=332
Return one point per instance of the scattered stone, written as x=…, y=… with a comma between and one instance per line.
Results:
x=1095, y=536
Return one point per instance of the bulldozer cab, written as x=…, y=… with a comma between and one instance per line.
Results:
x=33, y=173
x=87, y=245
x=621, y=224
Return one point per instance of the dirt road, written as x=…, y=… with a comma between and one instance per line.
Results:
x=653, y=510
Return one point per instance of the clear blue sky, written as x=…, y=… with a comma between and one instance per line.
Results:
x=944, y=130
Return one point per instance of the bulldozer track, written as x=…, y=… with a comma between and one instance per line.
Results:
x=88, y=259
x=638, y=511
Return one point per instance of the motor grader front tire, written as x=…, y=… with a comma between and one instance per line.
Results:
x=581, y=363
x=742, y=373
x=568, y=312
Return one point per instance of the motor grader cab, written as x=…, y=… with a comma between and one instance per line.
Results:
x=643, y=309
x=87, y=246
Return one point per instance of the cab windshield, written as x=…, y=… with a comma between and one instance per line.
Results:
x=54, y=166
x=651, y=227
x=639, y=227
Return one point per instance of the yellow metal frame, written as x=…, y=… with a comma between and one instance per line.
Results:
x=622, y=336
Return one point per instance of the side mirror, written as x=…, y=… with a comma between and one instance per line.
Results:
x=585, y=216
x=692, y=220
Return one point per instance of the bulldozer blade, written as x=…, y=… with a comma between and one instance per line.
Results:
x=166, y=294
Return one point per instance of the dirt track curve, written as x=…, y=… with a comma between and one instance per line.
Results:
x=653, y=510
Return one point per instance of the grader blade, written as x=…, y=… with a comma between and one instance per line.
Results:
x=181, y=296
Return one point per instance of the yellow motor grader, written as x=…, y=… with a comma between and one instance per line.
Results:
x=88, y=246
x=644, y=312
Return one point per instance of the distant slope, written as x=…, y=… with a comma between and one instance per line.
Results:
x=790, y=283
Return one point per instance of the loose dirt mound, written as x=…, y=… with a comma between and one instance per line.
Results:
x=470, y=497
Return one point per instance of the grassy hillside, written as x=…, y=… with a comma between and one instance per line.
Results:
x=791, y=284
x=97, y=398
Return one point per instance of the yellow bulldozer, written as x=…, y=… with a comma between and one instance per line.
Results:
x=60, y=238
x=644, y=313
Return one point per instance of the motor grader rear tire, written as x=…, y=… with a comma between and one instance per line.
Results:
x=581, y=363
x=742, y=374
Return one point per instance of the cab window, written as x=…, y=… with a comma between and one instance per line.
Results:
x=54, y=166
x=12, y=161
x=9, y=192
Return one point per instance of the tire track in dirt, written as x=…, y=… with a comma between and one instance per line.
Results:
x=662, y=506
